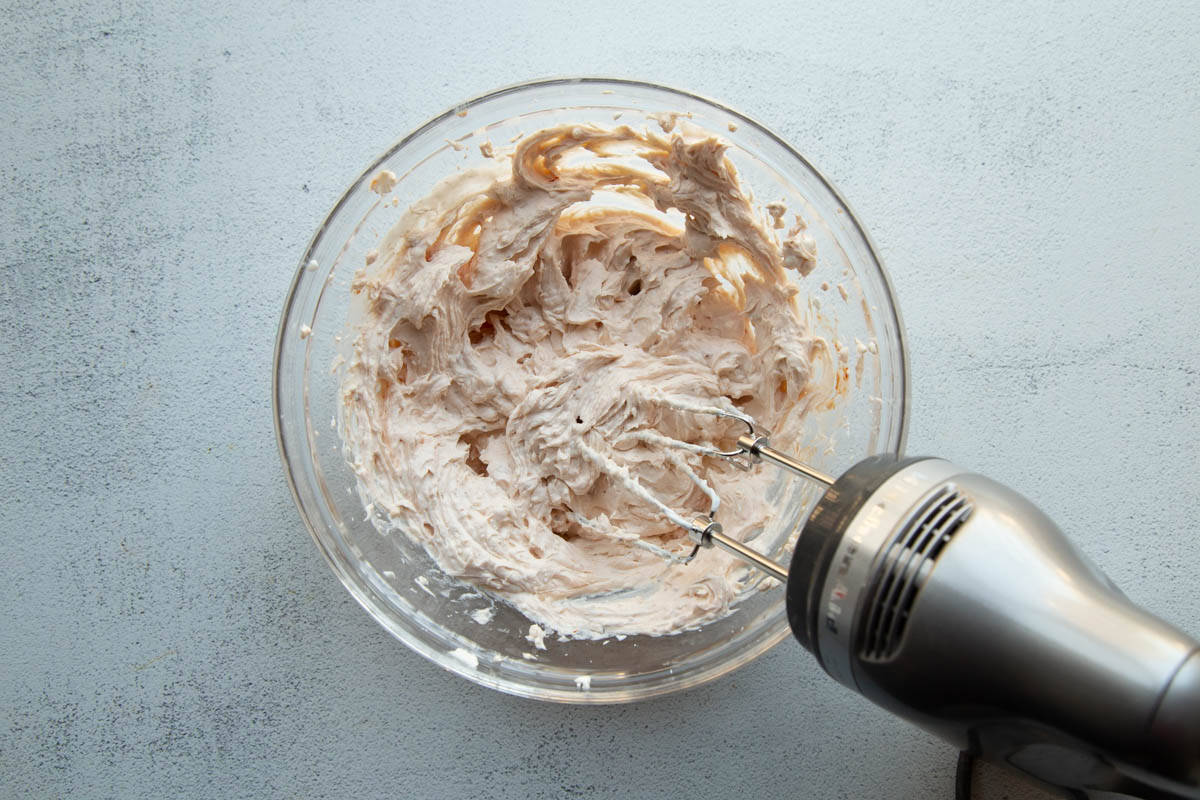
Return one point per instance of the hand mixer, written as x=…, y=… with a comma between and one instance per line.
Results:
x=954, y=602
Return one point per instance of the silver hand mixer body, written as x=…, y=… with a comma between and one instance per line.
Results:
x=954, y=602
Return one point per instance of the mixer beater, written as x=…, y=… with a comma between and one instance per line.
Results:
x=752, y=448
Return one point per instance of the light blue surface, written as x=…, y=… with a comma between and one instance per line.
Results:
x=1029, y=173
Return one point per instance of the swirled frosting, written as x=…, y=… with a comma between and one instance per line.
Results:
x=520, y=331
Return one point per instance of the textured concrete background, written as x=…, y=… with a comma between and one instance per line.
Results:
x=1029, y=172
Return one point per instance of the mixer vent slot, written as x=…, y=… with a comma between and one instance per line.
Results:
x=908, y=560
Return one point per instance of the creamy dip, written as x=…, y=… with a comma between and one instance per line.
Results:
x=523, y=335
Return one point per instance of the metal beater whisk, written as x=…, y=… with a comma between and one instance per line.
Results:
x=752, y=448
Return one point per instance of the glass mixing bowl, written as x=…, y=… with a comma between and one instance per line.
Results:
x=849, y=301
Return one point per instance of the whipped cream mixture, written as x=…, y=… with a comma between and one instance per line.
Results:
x=519, y=332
